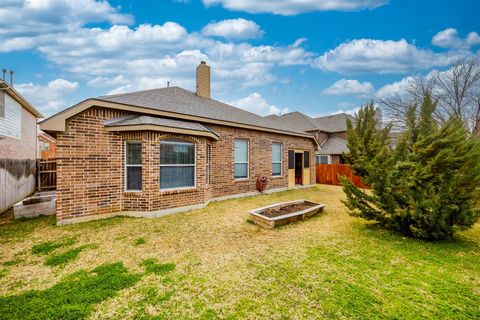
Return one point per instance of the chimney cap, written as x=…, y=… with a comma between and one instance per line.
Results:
x=203, y=62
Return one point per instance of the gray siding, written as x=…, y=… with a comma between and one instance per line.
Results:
x=11, y=124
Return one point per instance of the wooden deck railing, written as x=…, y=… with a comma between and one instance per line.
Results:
x=330, y=174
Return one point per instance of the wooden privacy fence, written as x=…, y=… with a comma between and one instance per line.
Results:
x=17, y=181
x=330, y=174
x=47, y=174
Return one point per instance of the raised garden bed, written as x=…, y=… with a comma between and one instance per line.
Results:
x=279, y=214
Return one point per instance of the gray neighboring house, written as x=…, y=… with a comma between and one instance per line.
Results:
x=330, y=131
x=18, y=125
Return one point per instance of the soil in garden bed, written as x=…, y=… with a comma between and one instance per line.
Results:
x=289, y=208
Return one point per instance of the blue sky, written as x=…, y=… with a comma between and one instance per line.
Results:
x=318, y=57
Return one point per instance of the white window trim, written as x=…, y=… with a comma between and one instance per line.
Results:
x=329, y=158
x=180, y=165
x=242, y=162
x=131, y=165
x=281, y=160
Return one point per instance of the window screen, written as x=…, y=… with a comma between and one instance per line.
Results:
x=276, y=159
x=208, y=164
x=241, y=158
x=306, y=159
x=177, y=165
x=322, y=159
x=133, y=166
x=291, y=159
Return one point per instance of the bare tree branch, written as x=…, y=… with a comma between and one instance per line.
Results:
x=456, y=90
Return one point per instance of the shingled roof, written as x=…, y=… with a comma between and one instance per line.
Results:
x=166, y=124
x=333, y=123
x=333, y=145
x=182, y=101
x=300, y=121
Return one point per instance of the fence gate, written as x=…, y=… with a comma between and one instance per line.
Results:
x=47, y=174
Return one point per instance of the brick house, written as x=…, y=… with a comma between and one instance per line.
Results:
x=160, y=151
x=47, y=146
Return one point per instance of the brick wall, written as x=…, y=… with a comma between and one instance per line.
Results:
x=91, y=173
x=341, y=135
x=44, y=153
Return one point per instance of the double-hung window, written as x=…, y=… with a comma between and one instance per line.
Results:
x=133, y=166
x=241, y=159
x=276, y=159
x=177, y=164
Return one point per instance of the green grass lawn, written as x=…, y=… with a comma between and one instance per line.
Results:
x=211, y=263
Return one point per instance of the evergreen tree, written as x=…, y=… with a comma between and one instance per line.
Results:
x=425, y=187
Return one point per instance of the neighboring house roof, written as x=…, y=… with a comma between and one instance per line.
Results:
x=294, y=120
x=135, y=123
x=46, y=137
x=300, y=121
x=333, y=145
x=333, y=123
x=19, y=98
x=174, y=102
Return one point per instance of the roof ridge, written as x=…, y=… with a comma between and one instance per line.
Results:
x=332, y=115
x=138, y=91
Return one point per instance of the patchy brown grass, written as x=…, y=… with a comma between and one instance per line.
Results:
x=331, y=265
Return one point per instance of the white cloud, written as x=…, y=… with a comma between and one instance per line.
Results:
x=29, y=17
x=349, y=87
x=51, y=97
x=102, y=82
x=473, y=39
x=398, y=88
x=449, y=38
x=256, y=103
x=233, y=29
x=368, y=55
x=166, y=52
x=292, y=7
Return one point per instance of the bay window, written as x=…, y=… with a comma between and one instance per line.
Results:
x=133, y=166
x=177, y=164
x=240, y=158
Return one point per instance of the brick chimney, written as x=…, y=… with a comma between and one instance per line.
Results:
x=203, y=80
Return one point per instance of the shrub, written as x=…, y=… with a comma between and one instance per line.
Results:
x=427, y=186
